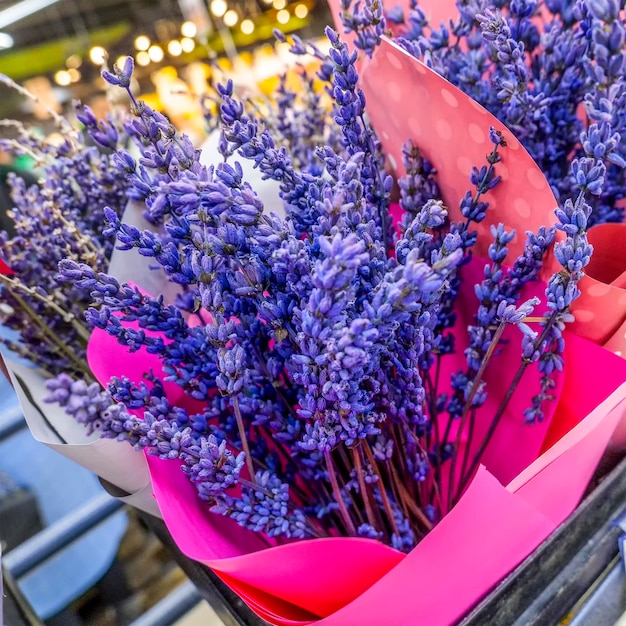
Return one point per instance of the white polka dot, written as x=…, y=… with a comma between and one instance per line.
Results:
x=421, y=93
x=598, y=290
x=392, y=161
x=536, y=178
x=618, y=352
x=421, y=68
x=449, y=97
x=395, y=93
x=444, y=130
x=582, y=315
x=478, y=107
x=394, y=60
x=512, y=143
x=622, y=300
x=502, y=171
x=414, y=126
x=476, y=133
x=522, y=208
x=465, y=165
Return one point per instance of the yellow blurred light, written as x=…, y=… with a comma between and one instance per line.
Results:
x=174, y=48
x=282, y=17
x=121, y=60
x=247, y=27
x=188, y=29
x=74, y=61
x=279, y=4
x=301, y=11
x=155, y=53
x=187, y=44
x=97, y=55
x=142, y=42
x=143, y=58
x=218, y=7
x=231, y=18
x=74, y=74
x=63, y=78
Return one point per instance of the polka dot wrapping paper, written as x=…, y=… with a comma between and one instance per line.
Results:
x=408, y=100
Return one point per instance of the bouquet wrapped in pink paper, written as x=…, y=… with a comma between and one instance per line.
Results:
x=362, y=413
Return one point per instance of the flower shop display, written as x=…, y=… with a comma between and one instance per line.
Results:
x=366, y=412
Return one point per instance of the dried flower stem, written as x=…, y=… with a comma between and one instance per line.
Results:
x=66, y=316
x=49, y=334
x=358, y=466
x=338, y=495
x=500, y=412
x=244, y=439
x=466, y=408
x=59, y=120
x=383, y=491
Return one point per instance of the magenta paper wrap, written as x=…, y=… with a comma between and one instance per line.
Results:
x=342, y=581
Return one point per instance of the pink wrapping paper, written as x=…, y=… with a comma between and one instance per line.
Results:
x=342, y=581
x=407, y=100
x=5, y=269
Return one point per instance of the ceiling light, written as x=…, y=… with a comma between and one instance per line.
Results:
x=301, y=11
x=188, y=29
x=155, y=53
x=63, y=78
x=187, y=44
x=174, y=48
x=231, y=18
x=282, y=17
x=279, y=4
x=74, y=74
x=142, y=42
x=218, y=7
x=247, y=27
x=143, y=58
x=97, y=55
x=6, y=41
x=23, y=9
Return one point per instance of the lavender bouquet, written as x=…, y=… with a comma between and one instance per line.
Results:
x=341, y=372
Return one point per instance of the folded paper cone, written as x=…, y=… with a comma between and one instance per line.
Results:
x=51, y=425
x=349, y=581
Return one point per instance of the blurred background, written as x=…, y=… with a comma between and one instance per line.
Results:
x=56, y=48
